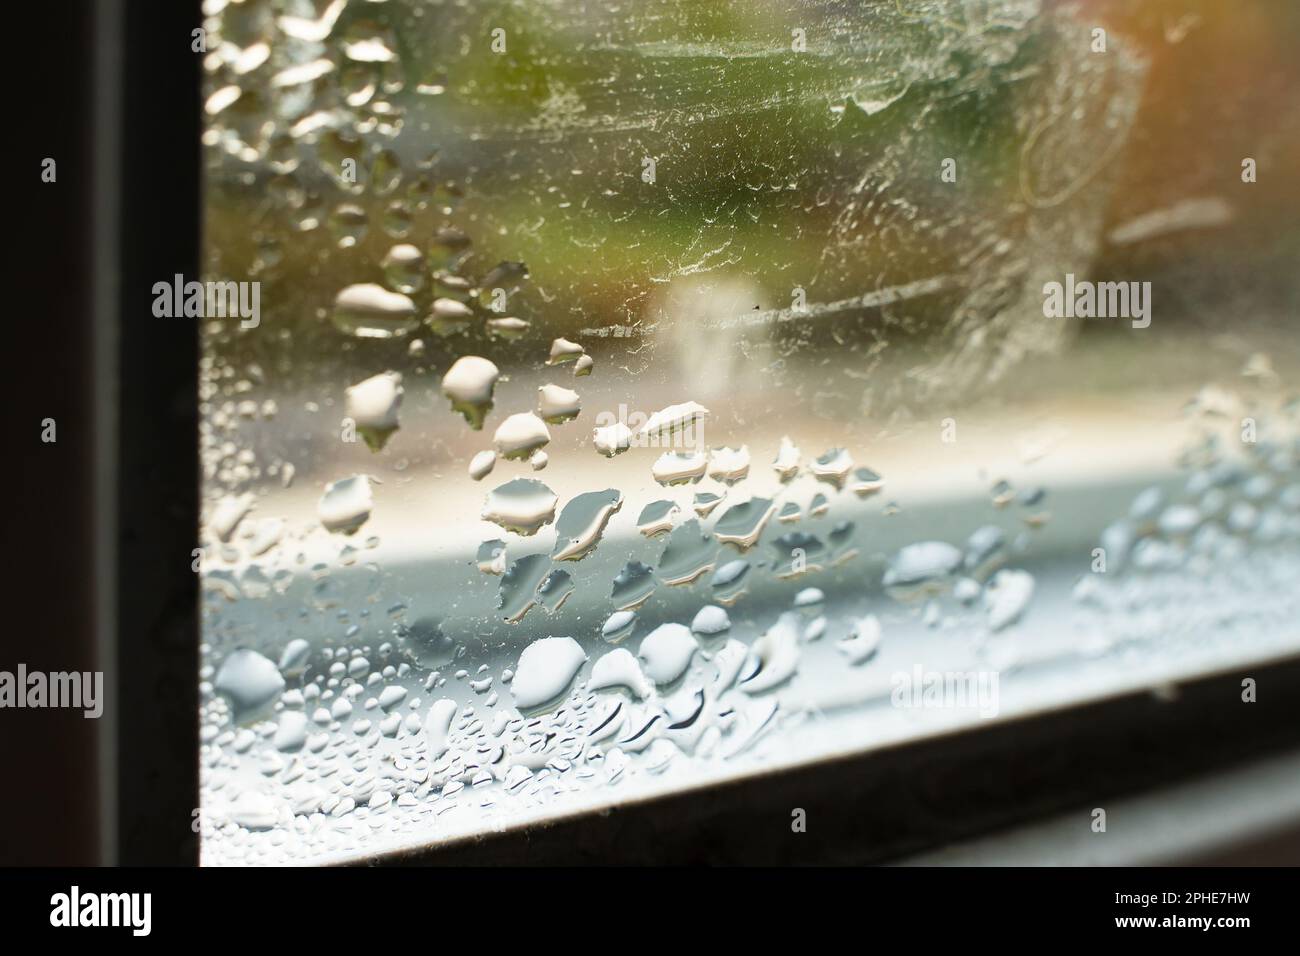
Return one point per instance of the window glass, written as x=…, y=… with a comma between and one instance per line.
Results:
x=614, y=398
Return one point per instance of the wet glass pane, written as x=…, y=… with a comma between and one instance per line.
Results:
x=628, y=397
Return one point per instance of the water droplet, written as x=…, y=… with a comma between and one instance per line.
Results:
x=403, y=267
x=982, y=545
x=391, y=696
x=688, y=554
x=809, y=597
x=777, y=652
x=618, y=668
x=656, y=518
x=1006, y=597
x=797, y=553
x=371, y=311
x=221, y=99
x=705, y=502
x=228, y=513
x=312, y=31
x=562, y=350
x=449, y=316
x=663, y=424
x=833, y=467
x=728, y=582
x=1002, y=493
x=255, y=811
x=582, y=522
x=728, y=661
x=546, y=669
x=365, y=43
x=786, y=462
x=618, y=626
x=469, y=383
x=491, y=557
x=290, y=732
x=507, y=327
x=518, y=591
x=683, y=709
x=666, y=652
x=520, y=435
x=863, y=642
x=966, y=590
x=346, y=504
x=711, y=620
x=249, y=680
x=922, y=565
x=1179, y=520
x=755, y=720
x=481, y=465
x=437, y=726
x=743, y=524
x=556, y=404
x=864, y=482
x=293, y=659
x=679, y=468
x=611, y=440
x=729, y=465
x=301, y=73
x=386, y=176
x=555, y=590
x=373, y=405
x=632, y=585
x=348, y=224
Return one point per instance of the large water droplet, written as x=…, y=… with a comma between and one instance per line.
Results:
x=786, y=463
x=403, y=267
x=618, y=626
x=678, y=468
x=346, y=504
x=729, y=465
x=611, y=440
x=249, y=680
x=523, y=506
x=546, y=669
x=666, y=652
x=520, y=435
x=656, y=518
x=833, y=467
x=777, y=652
x=662, y=425
x=556, y=404
x=582, y=522
x=517, y=592
x=922, y=565
x=562, y=350
x=742, y=524
x=370, y=311
x=688, y=554
x=469, y=384
x=710, y=620
x=632, y=585
x=373, y=405
x=618, y=668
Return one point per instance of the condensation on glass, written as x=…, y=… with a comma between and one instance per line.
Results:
x=648, y=395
